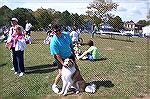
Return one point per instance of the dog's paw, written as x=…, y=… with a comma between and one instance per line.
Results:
x=65, y=93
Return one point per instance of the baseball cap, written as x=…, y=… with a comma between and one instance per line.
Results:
x=14, y=19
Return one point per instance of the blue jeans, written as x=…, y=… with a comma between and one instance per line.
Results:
x=90, y=57
x=18, y=60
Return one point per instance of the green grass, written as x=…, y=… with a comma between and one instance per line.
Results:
x=125, y=66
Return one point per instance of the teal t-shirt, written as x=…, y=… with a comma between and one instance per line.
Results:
x=94, y=51
x=61, y=46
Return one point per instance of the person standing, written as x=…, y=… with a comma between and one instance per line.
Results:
x=14, y=23
x=28, y=28
x=28, y=32
x=18, y=51
x=74, y=35
x=61, y=48
x=95, y=29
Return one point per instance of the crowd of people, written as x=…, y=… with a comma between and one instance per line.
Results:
x=63, y=45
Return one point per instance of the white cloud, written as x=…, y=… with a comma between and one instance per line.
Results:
x=121, y=9
x=135, y=11
x=132, y=10
x=71, y=7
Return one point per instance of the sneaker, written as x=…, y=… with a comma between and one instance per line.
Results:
x=77, y=92
x=55, y=89
x=89, y=89
x=93, y=85
x=21, y=74
x=72, y=87
x=13, y=68
x=15, y=73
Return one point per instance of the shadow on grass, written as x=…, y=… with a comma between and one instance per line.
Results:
x=40, y=69
x=127, y=40
x=1, y=65
x=103, y=83
x=38, y=39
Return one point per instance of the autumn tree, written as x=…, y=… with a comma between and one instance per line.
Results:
x=101, y=8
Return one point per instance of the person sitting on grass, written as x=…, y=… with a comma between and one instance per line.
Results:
x=92, y=53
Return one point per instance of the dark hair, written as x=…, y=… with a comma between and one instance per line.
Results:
x=90, y=43
x=56, y=27
x=48, y=32
x=74, y=28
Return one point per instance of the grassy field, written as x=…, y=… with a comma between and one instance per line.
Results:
x=123, y=74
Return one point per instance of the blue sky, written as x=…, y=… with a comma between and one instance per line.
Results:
x=128, y=9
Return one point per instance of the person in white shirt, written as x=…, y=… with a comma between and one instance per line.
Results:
x=74, y=35
x=16, y=43
x=28, y=28
x=14, y=23
x=9, y=44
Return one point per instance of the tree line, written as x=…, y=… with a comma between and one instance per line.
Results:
x=42, y=18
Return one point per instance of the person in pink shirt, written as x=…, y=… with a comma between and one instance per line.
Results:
x=18, y=45
x=18, y=57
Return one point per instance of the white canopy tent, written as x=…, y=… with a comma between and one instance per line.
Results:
x=146, y=30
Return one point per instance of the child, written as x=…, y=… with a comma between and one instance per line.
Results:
x=5, y=35
x=18, y=51
x=92, y=53
x=28, y=39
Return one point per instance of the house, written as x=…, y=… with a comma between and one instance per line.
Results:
x=134, y=27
